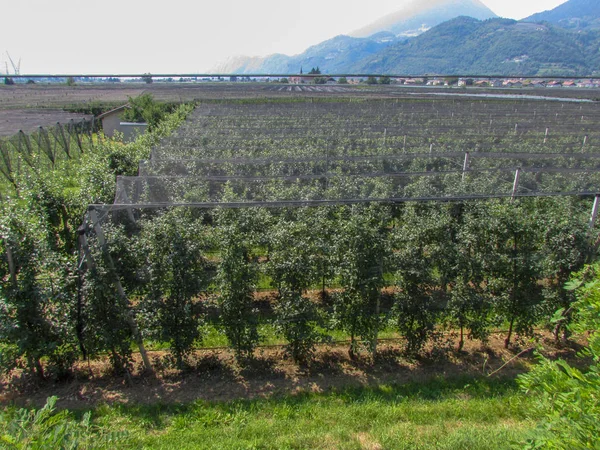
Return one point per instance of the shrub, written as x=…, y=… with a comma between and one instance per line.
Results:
x=567, y=397
x=50, y=429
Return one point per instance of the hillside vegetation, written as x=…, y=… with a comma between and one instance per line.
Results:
x=497, y=46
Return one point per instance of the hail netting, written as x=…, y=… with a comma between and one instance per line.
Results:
x=181, y=240
x=284, y=153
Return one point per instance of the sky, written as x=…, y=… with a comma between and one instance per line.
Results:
x=183, y=36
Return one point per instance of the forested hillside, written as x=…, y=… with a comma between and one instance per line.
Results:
x=460, y=46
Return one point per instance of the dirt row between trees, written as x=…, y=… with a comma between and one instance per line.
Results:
x=214, y=375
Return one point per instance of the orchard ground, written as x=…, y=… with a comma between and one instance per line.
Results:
x=214, y=374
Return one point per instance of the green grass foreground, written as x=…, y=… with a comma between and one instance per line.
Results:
x=438, y=414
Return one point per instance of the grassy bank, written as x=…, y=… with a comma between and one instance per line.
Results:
x=464, y=413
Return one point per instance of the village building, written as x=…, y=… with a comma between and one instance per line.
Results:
x=112, y=123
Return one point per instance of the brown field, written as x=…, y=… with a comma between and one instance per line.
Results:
x=26, y=107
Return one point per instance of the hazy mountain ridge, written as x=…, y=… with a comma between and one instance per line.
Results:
x=574, y=14
x=462, y=45
x=333, y=55
x=420, y=16
x=496, y=47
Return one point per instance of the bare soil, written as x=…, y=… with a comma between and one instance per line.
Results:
x=215, y=375
x=28, y=120
x=35, y=97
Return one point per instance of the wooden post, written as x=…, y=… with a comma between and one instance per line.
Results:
x=594, y=211
x=123, y=296
x=90, y=131
x=6, y=168
x=44, y=142
x=516, y=184
x=465, y=166
x=404, y=146
x=19, y=148
x=23, y=137
x=546, y=135
x=585, y=138
x=77, y=129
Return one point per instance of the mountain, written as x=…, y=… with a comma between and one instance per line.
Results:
x=421, y=15
x=556, y=44
x=336, y=54
x=574, y=14
x=496, y=47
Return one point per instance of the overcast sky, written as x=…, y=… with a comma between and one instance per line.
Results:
x=134, y=36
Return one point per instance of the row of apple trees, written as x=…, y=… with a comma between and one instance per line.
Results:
x=414, y=268
x=43, y=198
x=417, y=269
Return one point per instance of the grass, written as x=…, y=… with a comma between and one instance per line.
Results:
x=213, y=337
x=463, y=413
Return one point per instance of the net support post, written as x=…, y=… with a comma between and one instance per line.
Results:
x=594, y=215
x=465, y=166
x=515, y=184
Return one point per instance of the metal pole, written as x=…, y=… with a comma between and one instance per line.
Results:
x=516, y=183
x=595, y=211
x=465, y=166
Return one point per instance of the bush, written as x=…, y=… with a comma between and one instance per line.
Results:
x=236, y=280
x=176, y=276
x=567, y=397
x=292, y=267
x=51, y=429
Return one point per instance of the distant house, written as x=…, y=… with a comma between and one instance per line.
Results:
x=414, y=81
x=111, y=120
x=111, y=123
x=553, y=83
x=586, y=84
x=569, y=83
x=301, y=80
x=512, y=83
